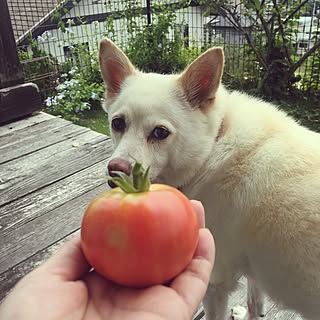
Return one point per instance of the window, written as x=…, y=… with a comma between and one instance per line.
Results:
x=303, y=45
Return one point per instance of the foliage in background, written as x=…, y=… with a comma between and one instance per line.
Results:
x=267, y=61
x=270, y=31
x=74, y=94
x=80, y=87
x=38, y=66
x=157, y=47
x=311, y=81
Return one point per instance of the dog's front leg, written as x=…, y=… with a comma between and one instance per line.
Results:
x=254, y=303
x=222, y=282
x=215, y=302
x=254, y=300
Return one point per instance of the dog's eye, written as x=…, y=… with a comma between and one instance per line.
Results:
x=118, y=124
x=160, y=133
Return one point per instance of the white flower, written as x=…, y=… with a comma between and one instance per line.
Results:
x=70, y=22
x=61, y=86
x=72, y=71
x=40, y=39
x=48, y=102
x=95, y=23
x=73, y=82
x=46, y=35
x=94, y=96
x=60, y=96
x=85, y=106
x=64, y=75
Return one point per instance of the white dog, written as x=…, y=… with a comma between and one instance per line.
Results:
x=255, y=169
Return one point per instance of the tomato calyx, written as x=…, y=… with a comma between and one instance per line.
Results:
x=137, y=182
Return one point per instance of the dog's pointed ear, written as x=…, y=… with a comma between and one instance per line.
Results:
x=114, y=65
x=202, y=77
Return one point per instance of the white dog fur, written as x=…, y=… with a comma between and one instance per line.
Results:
x=256, y=171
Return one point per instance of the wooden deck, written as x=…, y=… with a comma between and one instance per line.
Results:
x=49, y=171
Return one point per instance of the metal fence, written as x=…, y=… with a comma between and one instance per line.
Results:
x=51, y=35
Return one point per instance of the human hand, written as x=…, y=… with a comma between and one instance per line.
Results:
x=65, y=288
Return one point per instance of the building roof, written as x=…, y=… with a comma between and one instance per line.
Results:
x=27, y=13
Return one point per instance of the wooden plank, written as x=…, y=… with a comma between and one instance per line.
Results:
x=33, y=205
x=24, y=123
x=199, y=314
x=272, y=312
x=44, y=230
x=277, y=313
x=34, y=171
x=12, y=137
x=39, y=136
x=11, y=276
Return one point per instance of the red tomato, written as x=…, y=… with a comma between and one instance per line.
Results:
x=140, y=239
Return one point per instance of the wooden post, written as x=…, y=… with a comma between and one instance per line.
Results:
x=17, y=99
x=149, y=12
x=11, y=72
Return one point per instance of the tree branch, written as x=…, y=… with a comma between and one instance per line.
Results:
x=264, y=23
x=305, y=56
x=282, y=32
x=295, y=11
x=236, y=22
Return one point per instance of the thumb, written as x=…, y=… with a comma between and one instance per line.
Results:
x=68, y=262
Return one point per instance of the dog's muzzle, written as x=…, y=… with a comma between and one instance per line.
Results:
x=118, y=164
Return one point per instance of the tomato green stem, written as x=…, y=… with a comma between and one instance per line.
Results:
x=138, y=181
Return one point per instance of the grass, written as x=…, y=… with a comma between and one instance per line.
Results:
x=304, y=111
x=94, y=119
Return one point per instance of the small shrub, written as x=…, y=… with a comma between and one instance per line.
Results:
x=156, y=47
x=74, y=94
x=38, y=66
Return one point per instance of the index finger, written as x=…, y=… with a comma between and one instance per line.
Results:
x=68, y=262
x=192, y=283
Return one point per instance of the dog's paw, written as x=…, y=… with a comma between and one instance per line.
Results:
x=239, y=313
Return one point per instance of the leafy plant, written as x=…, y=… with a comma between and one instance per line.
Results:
x=311, y=81
x=156, y=47
x=74, y=94
x=270, y=29
x=80, y=87
x=38, y=66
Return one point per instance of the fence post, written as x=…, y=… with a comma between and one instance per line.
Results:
x=17, y=99
x=149, y=12
x=11, y=72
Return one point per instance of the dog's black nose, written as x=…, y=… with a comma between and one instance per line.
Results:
x=118, y=164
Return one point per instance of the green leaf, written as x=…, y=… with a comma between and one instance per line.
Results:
x=137, y=182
